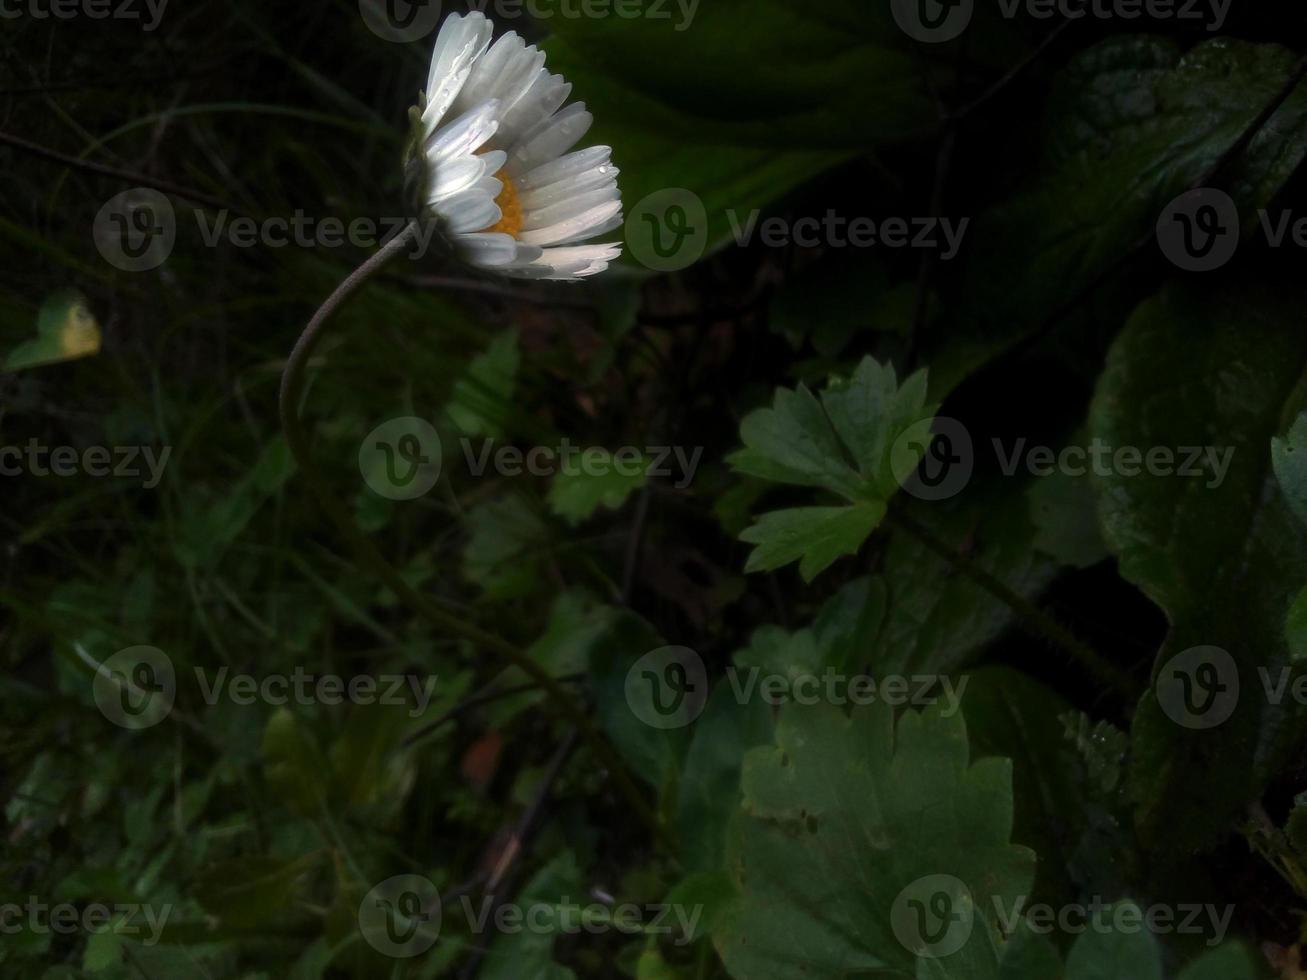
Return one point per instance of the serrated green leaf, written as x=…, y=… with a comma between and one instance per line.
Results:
x=505, y=550
x=843, y=443
x=839, y=819
x=813, y=536
x=482, y=399
x=604, y=479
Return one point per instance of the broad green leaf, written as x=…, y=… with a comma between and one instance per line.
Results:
x=1109, y=954
x=599, y=479
x=1115, y=944
x=1228, y=962
x=103, y=950
x=709, y=788
x=844, y=820
x=507, y=544
x=1221, y=553
x=1064, y=511
x=1295, y=628
x=784, y=81
x=1289, y=457
x=655, y=754
x=1131, y=123
x=482, y=399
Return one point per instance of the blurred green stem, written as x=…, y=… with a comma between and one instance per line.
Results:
x=292, y=390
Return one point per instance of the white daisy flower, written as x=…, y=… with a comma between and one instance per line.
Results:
x=489, y=159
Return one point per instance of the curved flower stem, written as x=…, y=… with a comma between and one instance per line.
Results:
x=292, y=389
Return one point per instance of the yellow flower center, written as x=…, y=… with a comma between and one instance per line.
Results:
x=510, y=205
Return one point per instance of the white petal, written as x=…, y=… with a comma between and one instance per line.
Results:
x=569, y=187
x=576, y=262
x=461, y=42
x=465, y=135
x=455, y=176
x=504, y=73
x=564, y=167
x=495, y=160
x=494, y=250
x=595, y=221
x=569, y=208
x=541, y=99
x=549, y=139
x=470, y=212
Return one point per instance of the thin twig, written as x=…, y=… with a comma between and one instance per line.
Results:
x=516, y=846
x=487, y=695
